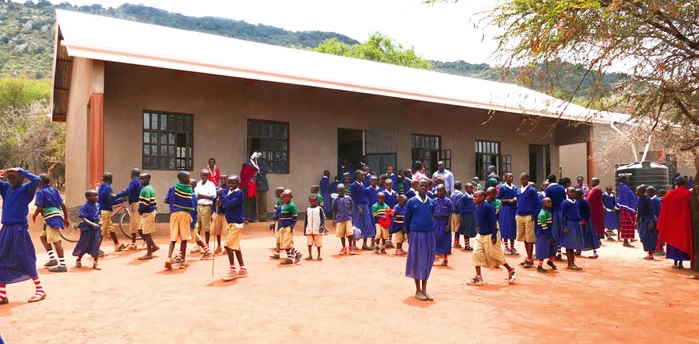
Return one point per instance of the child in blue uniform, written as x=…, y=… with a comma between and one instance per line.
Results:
x=132, y=192
x=467, y=209
x=397, y=227
x=455, y=218
x=442, y=232
x=507, y=194
x=611, y=213
x=571, y=233
x=90, y=231
x=545, y=244
x=343, y=209
x=391, y=200
x=488, y=252
x=232, y=204
x=180, y=198
x=17, y=255
x=50, y=205
x=590, y=238
x=325, y=191
x=372, y=190
x=557, y=193
x=645, y=222
x=418, y=224
x=656, y=203
x=362, y=215
x=527, y=209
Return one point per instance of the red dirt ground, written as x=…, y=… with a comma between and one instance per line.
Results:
x=352, y=299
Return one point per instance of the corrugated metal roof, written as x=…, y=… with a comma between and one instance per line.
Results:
x=117, y=40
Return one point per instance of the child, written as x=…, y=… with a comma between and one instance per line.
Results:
x=342, y=209
x=378, y=211
x=195, y=226
x=590, y=238
x=90, y=231
x=412, y=191
x=325, y=190
x=391, y=200
x=442, y=233
x=314, y=226
x=467, y=209
x=490, y=195
x=147, y=209
x=488, y=252
x=180, y=199
x=106, y=199
x=273, y=226
x=507, y=194
x=333, y=189
x=232, y=204
x=571, y=232
x=527, y=210
x=50, y=204
x=645, y=222
x=545, y=245
x=407, y=181
x=418, y=224
x=315, y=189
x=611, y=213
x=219, y=223
x=286, y=216
x=347, y=181
x=372, y=190
x=362, y=217
x=397, y=224
x=455, y=218
x=206, y=195
x=132, y=193
x=656, y=202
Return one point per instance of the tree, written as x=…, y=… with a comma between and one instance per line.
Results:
x=378, y=48
x=657, y=41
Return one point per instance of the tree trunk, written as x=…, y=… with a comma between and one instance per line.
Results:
x=694, y=204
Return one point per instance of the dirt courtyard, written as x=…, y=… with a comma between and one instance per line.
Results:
x=352, y=299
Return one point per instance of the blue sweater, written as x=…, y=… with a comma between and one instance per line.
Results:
x=104, y=197
x=133, y=191
x=467, y=205
x=418, y=215
x=232, y=204
x=570, y=211
x=485, y=218
x=557, y=194
x=527, y=202
x=15, y=205
x=358, y=193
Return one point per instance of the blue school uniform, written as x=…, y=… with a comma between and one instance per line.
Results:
x=391, y=197
x=418, y=223
x=406, y=186
x=468, y=219
x=442, y=233
x=410, y=193
x=343, y=208
x=362, y=221
x=17, y=255
x=325, y=191
x=394, y=178
x=646, y=223
x=486, y=222
x=371, y=195
x=132, y=191
x=508, y=227
x=90, y=237
x=398, y=218
x=104, y=197
x=232, y=204
x=590, y=238
x=367, y=181
x=611, y=215
x=50, y=200
x=570, y=214
x=557, y=193
x=542, y=228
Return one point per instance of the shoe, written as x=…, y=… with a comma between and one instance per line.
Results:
x=445, y=263
x=146, y=257
x=206, y=256
x=298, y=257
x=457, y=245
x=420, y=296
x=574, y=267
x=594, y=256
x=376, y=249
x=508, y=250
x=514, y=252
x=60, y=268
x=37, y=297
x=96, y=266
x=288, y=261
x=51, y=263
x=541, y=269
x=355, y=248
x=122, y=247
x=4, y=301
x=365, y=248
x=343, y=251
x=78, y=264
x=476, y=281
x=196, y=249
x=168, y=264
x=351, y=251
x=242, y=273
x=275, y=256
x=527, y=264
x=646, y=258
x=185, y=264
x=383, y=250
x=578, y=253
x=428, y=296
x=319, y=258
x=559, y=257
x=229, y=276
x=218, y=250
x=552, y=265
x=400, y=252
x=511, y=276
x=468, y=248
x=133, y=246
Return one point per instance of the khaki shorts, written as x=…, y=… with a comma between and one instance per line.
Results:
x=315, y=240
x=455, y=222
x=381, y=233
x=286, y=238
x=147, y=223
x=204, y=217
x=107, y=226
x=233, y=236
x=52, y=234
x=134, y=218
x=219, y=224
x=525, y=228
x=400, y=237
x=194, y=236
x=343, y=229
x=179, y=226
x=486, y=254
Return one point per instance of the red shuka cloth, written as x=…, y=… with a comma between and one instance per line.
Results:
x=594, y=198
x=675, y=222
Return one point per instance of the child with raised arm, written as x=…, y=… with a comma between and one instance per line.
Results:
x=314, y=226
x=50, y=205
x=343, y=208
x=90, y=231
x=232, y=204
x=286, y=216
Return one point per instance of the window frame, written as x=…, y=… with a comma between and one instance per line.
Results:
x=493, y=151
x=187, y=130
x=269, y=154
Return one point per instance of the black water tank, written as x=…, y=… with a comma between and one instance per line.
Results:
x=646, y=173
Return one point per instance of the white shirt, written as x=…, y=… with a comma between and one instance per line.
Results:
x=208, y=188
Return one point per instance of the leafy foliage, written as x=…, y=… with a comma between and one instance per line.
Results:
x=377, y=48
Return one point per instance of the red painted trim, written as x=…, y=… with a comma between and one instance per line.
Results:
x=96, y=139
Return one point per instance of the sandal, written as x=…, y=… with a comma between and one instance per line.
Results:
x=476, y=281
x=552, y=265
x=37, y=297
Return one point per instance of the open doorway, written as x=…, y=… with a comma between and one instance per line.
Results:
x=350, y=146
x=539, y=162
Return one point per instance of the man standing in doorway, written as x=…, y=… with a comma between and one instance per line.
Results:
x=262, y=184
x=446, y=175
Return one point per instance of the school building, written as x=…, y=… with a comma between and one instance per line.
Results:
x=163, y=99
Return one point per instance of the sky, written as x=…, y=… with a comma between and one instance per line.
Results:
x=444, y=31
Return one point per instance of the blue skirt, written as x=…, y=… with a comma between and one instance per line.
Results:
x=421, y=251
x=556, y=226
x=590, y=238
x=442, y=236
x=508, y=227
x=327, y=202
x=574, y=239
x=544, y=249
x=611, y=220
x=364, y=222
x=468, y=226
x=671, y=252
x=17, y=255
x=648, y=235
x=89, y=243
